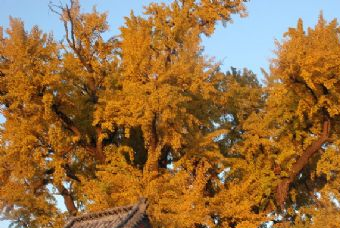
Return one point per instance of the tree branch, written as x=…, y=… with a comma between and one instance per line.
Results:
x=72, y=40
x=68, y=123
x=68, y=200
x=283, y=187
x=75, y=44
x=99, y=145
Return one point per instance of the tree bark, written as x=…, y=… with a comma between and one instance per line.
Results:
x=68, y=200
x=283, y=187
x=96, y=150
x=100, y=155
x=75, y=43
x=67, y=122
x=151, y=166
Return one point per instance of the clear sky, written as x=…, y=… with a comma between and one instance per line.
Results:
x=248, y=42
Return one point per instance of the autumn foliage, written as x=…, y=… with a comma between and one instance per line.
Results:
x=103, y=122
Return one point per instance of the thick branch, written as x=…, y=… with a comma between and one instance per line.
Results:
x=71, y=39
x=68, y=200
x=283, y=187
x=46, y=180
x=151, y=166
x=70, y=34
x=96, y=150
x=75, y=43
x=70, y=172
x=68, y=123
x=3, y=91
x=99, y=145
x=296, y=80
x=39, y=184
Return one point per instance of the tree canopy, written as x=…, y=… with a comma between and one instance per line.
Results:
x=103, y=122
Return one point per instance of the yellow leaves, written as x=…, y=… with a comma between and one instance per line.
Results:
x=213, y=136
x=245, y=224
x=209, y=12
x=59, y=174
x=167, y=120
x=302, y=94
x=118, y=182
x=329, y=84
x=329, y=163
x=48, y=101
x=178, y=201
x=312, y=60
x=127, y=132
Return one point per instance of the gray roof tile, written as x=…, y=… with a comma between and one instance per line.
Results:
x=119, y=217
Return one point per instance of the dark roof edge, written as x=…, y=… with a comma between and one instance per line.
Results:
x=137, y=213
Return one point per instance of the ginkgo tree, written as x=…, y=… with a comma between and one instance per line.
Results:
x=294, y=138
x=102, y=122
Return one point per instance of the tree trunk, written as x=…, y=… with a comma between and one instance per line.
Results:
x=100, y=155
x=283, y=187
x=68, y=200
x=151, y=166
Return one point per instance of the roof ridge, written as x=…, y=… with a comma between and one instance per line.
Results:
x=98, y=214
x=135, y=215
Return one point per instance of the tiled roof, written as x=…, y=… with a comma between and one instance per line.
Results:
x=119, y=217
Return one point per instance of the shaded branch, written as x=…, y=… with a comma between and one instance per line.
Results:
x=70, y=172
x=315, y=97
x=68, y=200
x=99, y=145
x=70, y=34
x=283, y=187
x=72, y=39
x=70, y=21
x=68, y=123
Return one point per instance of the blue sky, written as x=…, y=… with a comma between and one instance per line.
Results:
x=248, y=42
